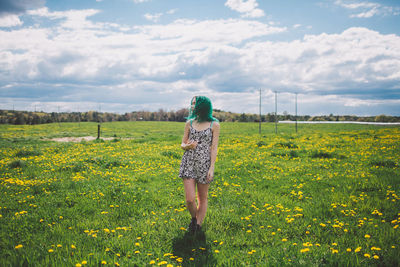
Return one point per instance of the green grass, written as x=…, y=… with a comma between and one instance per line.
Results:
x=286, y=199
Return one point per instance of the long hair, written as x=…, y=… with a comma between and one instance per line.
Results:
x=202, y=110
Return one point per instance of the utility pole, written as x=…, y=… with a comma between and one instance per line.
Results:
x=58, y=116
x=276, y=112
x=79, y=117
x=259, y=125
x=99, y=121
x=296, y=113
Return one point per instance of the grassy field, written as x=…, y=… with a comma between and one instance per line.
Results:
x=329, y=195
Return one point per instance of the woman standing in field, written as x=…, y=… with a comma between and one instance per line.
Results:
x=200, y=142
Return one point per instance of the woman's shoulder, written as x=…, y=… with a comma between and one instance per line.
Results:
x=215, y=125
x=189, y=122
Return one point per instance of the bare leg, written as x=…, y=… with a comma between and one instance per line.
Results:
x=190, y=194
x=202, y=194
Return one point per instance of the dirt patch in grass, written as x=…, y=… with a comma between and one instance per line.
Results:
x=82, y=138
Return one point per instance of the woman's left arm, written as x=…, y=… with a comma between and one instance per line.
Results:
x=214, y=150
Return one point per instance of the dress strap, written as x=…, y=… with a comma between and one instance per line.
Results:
x=191, y=121
x=211, y=124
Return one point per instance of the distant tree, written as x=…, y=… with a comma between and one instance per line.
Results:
x=382, y=118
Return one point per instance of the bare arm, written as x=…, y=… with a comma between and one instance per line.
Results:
x=186, y=143
x=214, y=149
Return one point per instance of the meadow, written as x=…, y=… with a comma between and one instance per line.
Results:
x=327, y=195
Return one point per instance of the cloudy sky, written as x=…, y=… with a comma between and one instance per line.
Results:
x=340, y=56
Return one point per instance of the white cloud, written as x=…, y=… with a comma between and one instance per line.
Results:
x=76, y=19
x=172, y=11
x=153, y=17
x=367, y=14
x=10, y=21
x=296, y=26
x=367, y=9
x=247, y=8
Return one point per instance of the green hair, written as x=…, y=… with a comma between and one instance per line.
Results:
x=202, y=110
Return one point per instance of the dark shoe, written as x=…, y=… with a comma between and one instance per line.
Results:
x=198, y=228
x=192, y=225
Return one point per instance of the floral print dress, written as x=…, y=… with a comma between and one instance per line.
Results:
x=196, y=162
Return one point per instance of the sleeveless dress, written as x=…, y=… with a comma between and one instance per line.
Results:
x=196, y=162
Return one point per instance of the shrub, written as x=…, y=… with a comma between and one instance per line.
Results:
x=27, y=153
x=17, y=164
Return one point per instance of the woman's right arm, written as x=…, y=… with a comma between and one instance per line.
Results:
x=186, y=144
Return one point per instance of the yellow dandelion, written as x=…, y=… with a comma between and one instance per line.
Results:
x=357, y=249
x=304, y=250
x=191, y=259
x=376, y=257
x=78, y=265
x=18, y=246
x=51, y=250
x=216, y=251
x=348, y=250
x=367, y=255
x=103, y=262
x=367, y=236
x=162, y=263
x=73, y=247
x=152, y=261
x=116, y=263
x=284, y=239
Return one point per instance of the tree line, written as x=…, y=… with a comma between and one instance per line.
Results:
x=30, y=117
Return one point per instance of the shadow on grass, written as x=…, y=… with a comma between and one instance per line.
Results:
x=193, y=249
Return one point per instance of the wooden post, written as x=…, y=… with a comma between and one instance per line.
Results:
x=98, y=131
